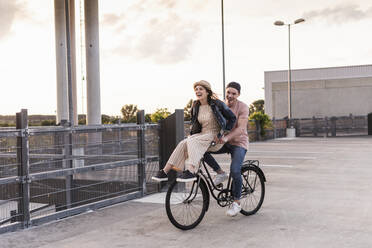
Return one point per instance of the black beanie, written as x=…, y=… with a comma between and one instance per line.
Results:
x=234, y=85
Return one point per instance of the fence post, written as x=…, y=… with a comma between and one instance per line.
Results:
x=258, y=129
x=23, y=168
x=369, y=123
x=326, y=128
x=274, y=124
x=298, y=128
x=352, y=122
x=141, y=169
x=67, y=163
x=171, y=132
x=333, y=126
x=315, y=133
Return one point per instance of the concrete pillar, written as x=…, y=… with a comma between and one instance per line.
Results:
x=73, y=59
x=61, y=69
x=92, y=62
x=61, y=59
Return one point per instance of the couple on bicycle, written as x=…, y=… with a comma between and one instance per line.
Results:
x=212, y=121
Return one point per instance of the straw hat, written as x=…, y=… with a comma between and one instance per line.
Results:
x=203, y=83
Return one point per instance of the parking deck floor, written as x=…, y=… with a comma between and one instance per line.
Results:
x=318, y=194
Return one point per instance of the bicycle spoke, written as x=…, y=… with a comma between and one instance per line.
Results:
x=186, y=207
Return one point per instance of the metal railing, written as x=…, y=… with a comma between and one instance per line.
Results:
x=332, y=126
x=307, y=127
x=55, y=172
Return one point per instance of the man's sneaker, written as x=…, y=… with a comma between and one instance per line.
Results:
x=186, y=176
x=160, y=176
x=233, y=210
x=220, y=178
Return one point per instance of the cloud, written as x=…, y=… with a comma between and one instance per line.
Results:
x=150, y=32
x=112, y=19
x=340, y=14
x=168, y=3
x=168, y=40
x=9, y=12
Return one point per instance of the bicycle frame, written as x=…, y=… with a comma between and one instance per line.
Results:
x=179, y=214
x=210, y=184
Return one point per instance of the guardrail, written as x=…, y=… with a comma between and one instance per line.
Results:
x=55, y=172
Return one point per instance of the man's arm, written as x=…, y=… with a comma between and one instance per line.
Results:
x=240, y=128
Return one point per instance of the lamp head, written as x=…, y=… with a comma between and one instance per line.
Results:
x=299, y=20
x=279, y=23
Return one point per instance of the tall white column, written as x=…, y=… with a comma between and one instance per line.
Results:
x=61, y=70
x=61, y=59
x=92, y=62
x=73, y=59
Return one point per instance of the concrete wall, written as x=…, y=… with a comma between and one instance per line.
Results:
x=320, y=94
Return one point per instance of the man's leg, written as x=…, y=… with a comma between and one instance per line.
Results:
x=237, y=158
x=209, y=159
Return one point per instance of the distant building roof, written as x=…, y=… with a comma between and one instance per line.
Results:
x=325, y=73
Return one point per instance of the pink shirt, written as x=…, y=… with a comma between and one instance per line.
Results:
x=241, y=111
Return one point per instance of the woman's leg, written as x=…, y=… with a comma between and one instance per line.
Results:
x=177, y=159
x=169, y=167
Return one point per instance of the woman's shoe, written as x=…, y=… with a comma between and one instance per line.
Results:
x=160, y=176
x=186, y=176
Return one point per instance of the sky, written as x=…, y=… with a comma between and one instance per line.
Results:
x=152, y=51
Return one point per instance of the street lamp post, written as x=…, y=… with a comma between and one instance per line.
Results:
x=223, y=52
x=281, y=23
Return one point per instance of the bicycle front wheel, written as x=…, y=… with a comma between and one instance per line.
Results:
x=186, y=204
x=253, y=190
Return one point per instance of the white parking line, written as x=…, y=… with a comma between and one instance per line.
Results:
x=277, y=165
x=153, y=198
x=278, y=151
x=267, y=165
x=280, y=157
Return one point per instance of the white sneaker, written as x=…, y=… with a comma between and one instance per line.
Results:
x=233, y=210
x=220, y=178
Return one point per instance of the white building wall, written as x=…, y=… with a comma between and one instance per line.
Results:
x=336, y=91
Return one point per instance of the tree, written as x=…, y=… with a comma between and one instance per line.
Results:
x=114, y=119
x=105, y=119
x=129, y=112
x=257, y=106
x=159, y=114
x=82, y=121
x=187, y=111
x=147, y=117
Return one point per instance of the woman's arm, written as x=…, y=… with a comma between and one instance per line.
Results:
x=228, y=114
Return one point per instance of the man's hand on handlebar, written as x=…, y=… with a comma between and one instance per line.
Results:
x=221, y=140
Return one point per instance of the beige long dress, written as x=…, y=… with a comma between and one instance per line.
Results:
x=190, y=150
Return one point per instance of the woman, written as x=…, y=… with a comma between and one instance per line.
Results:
x=209, y=118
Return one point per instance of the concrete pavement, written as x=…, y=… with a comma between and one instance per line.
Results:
x=318, y=194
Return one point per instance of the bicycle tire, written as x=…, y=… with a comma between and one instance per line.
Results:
x=183, y=212
x=253, y=190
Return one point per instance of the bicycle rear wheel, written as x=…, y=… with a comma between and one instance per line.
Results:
x=253, y=190
x=186, y=203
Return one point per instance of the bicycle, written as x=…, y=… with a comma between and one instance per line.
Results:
x=187, y=203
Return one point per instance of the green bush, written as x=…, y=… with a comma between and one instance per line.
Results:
x=48, y=123
x=263, y=120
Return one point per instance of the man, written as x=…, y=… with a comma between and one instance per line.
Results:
x=236, y=143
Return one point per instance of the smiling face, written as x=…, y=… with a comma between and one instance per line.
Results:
x=232, y=95
x=201, y=93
